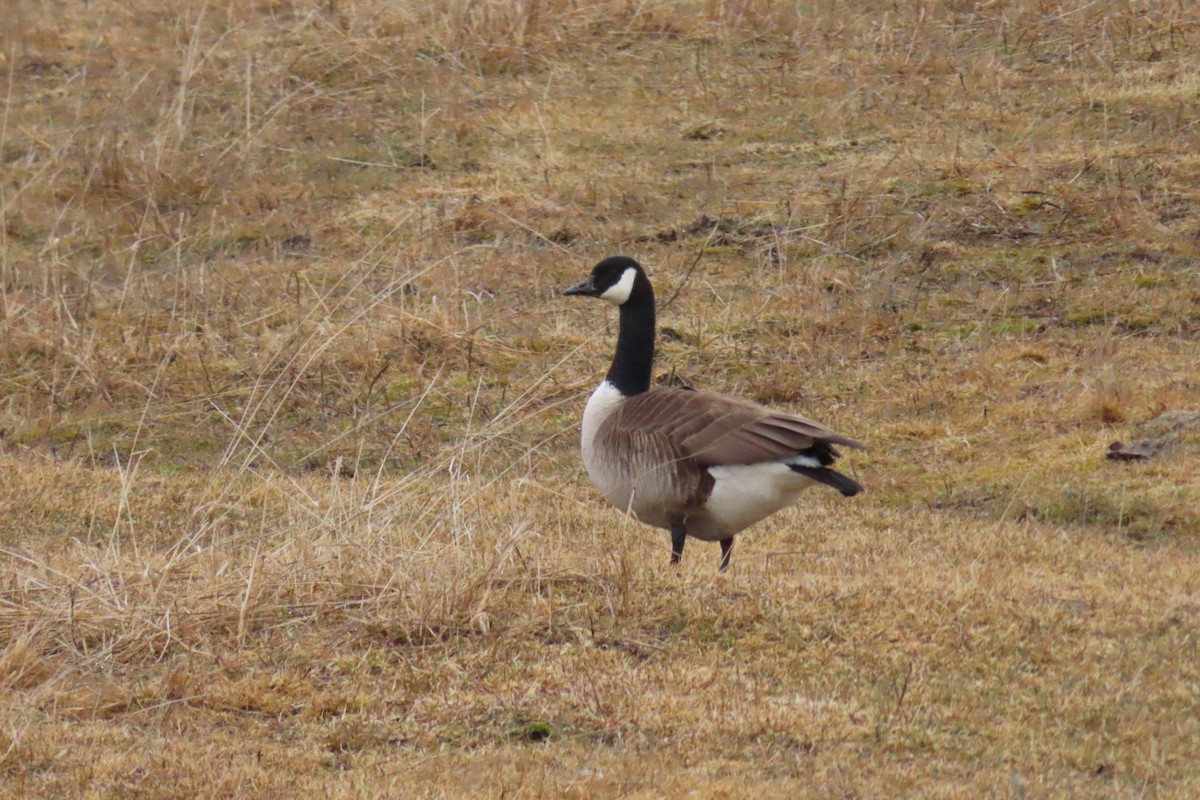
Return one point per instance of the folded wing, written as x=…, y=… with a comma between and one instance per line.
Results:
x=713, y=430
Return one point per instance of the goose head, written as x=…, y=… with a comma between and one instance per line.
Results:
x=617, y=279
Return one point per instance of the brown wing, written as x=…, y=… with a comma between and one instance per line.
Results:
x=714, y=430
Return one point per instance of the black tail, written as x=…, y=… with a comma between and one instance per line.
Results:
x=847, y=486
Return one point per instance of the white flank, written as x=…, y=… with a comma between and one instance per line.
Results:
x=746, y=493
x=619, y=292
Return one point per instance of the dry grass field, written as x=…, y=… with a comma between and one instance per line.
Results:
x=290, y=497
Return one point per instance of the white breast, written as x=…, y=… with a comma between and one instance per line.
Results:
x=603, y=402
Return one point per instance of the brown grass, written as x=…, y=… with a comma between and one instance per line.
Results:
x=289, y=497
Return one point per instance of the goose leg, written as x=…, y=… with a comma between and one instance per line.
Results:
x=726, y=547
x=678, y=535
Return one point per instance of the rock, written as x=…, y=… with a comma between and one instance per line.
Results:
x=1160, y=434
x=1138, y=451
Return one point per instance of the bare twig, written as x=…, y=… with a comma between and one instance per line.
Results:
x=692, y=268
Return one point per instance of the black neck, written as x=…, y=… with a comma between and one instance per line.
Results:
x=630, y=370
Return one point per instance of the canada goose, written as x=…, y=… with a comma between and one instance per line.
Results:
x=695, y=463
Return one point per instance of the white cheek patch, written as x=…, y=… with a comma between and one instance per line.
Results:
x=619, y=292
